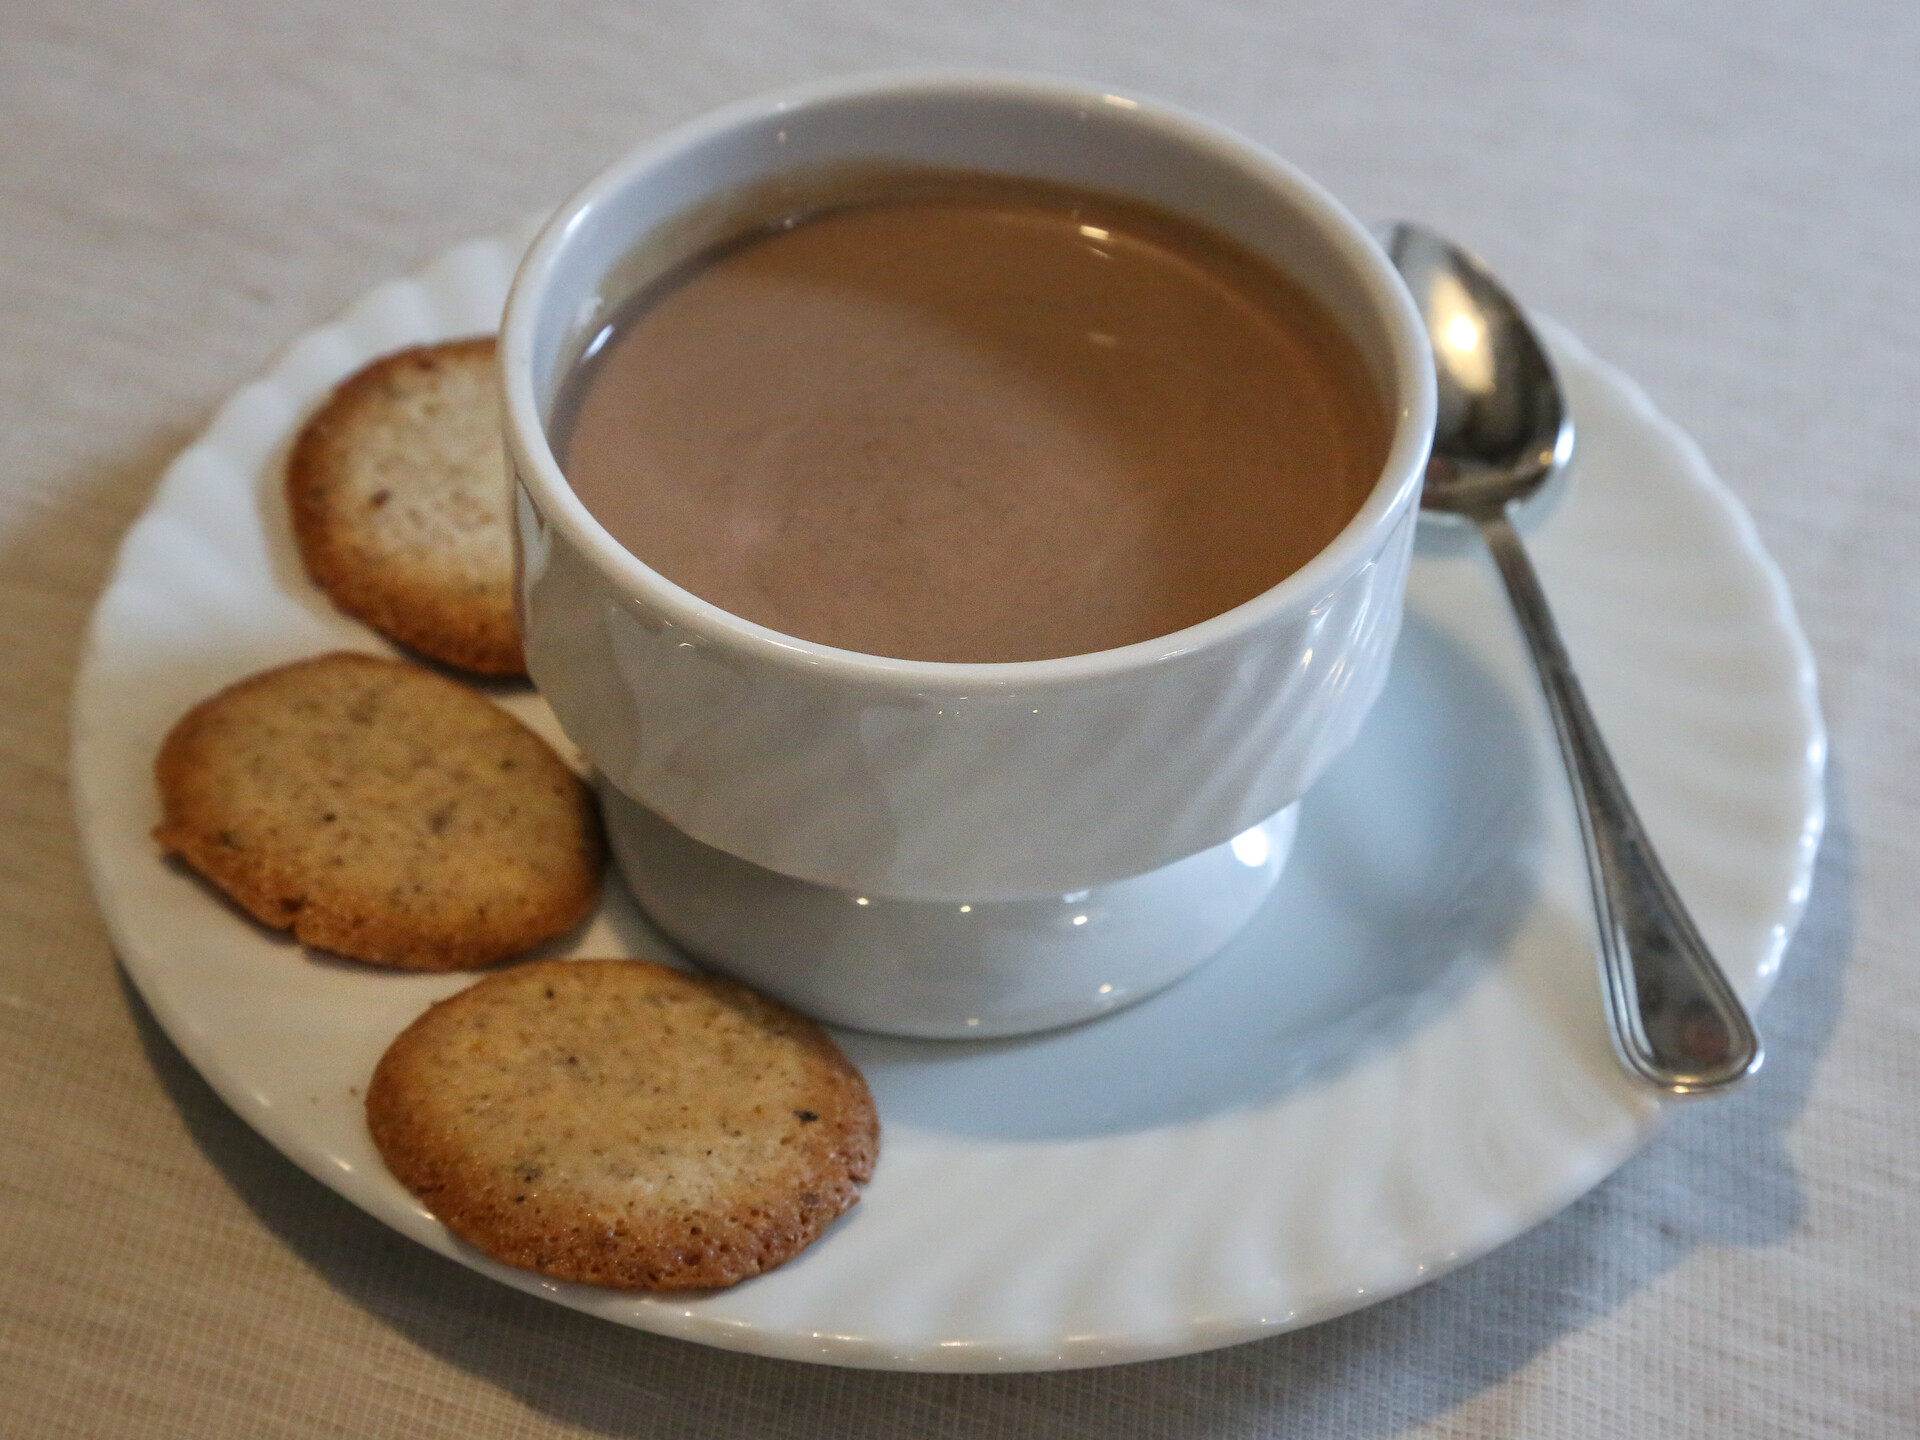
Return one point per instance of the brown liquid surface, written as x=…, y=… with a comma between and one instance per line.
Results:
x=980, y=424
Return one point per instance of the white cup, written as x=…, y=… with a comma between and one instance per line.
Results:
x=928, y=848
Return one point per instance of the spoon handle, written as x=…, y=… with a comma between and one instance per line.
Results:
x=1675, y=1018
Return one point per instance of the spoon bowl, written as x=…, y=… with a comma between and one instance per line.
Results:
x=1503, y=431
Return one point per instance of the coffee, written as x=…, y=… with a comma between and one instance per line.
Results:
x=975, y=420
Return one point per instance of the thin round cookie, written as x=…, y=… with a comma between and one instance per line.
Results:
x=381, y=811
x=400, y=503
x=623, y=1124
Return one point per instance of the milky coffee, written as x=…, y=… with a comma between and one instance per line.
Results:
x=974, y=420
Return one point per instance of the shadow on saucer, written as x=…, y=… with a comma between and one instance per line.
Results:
x=1415, y=863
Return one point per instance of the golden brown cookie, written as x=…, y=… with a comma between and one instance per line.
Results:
x=398, y=489
x=623, y=1124
x=381, y=811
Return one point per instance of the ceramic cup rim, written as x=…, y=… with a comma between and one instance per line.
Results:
x=1413, y=395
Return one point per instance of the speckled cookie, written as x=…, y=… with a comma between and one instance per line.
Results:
x=381, y=811
x=623, y=1124
x=398, y=490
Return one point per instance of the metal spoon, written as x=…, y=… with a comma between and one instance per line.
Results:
x=1503, y=431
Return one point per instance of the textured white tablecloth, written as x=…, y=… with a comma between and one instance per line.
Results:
x=1723, y=200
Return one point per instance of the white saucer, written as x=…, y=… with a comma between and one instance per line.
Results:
x=1401, y=1064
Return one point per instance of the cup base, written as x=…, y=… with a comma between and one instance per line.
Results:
x=944, y=969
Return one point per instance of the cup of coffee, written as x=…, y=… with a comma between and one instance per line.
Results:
x=959, y=515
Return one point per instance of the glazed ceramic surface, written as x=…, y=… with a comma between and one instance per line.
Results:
x=1399, y=1064
x=937, y=969
x=924, y=781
